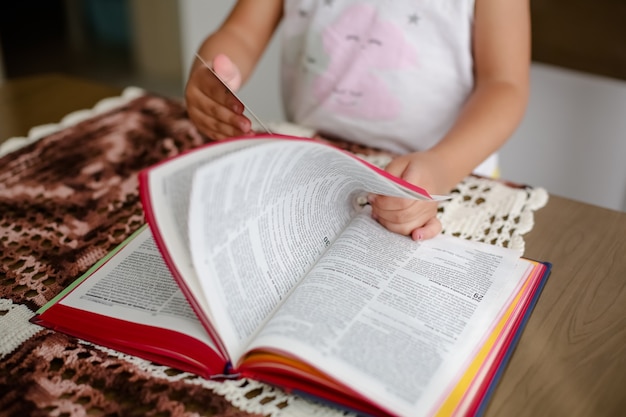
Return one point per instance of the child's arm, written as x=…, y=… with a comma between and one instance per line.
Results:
x=233, y=51
x=501, y=47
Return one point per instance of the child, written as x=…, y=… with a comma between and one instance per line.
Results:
x=444, y=83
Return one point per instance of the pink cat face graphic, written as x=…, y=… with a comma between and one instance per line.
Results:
x=360, y=45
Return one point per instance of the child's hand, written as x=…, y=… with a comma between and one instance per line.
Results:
x=212, y=108
x=417, y=219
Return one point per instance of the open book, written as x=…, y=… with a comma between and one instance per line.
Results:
x=262, y=261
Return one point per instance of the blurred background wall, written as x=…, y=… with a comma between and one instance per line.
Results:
x=119, y=42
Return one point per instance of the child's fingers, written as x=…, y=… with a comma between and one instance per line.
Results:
x=217, y=128
x=407, y=219
x=431, y=229
x=387, y=203
x=402, y=210
x=226, y=69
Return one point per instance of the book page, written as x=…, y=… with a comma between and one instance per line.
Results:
x=260, y=218
x=136, y=285
x=392, y=318
x=165, y=193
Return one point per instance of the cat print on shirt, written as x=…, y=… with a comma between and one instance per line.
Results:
x=360, y=46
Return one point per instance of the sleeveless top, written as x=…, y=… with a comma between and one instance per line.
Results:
x=387, y=74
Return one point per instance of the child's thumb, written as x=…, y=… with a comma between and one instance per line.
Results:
x=228, y=71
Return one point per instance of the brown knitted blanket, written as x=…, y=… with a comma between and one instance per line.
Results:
x=65, y=201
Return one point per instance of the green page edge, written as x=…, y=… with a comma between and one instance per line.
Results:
x=91, y=270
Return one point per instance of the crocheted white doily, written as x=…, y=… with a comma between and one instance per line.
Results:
x=480, y=209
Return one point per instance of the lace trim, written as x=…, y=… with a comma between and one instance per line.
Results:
x=14, y=326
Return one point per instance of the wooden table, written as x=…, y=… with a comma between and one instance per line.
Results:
x=571, y=359
x=33, y=101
